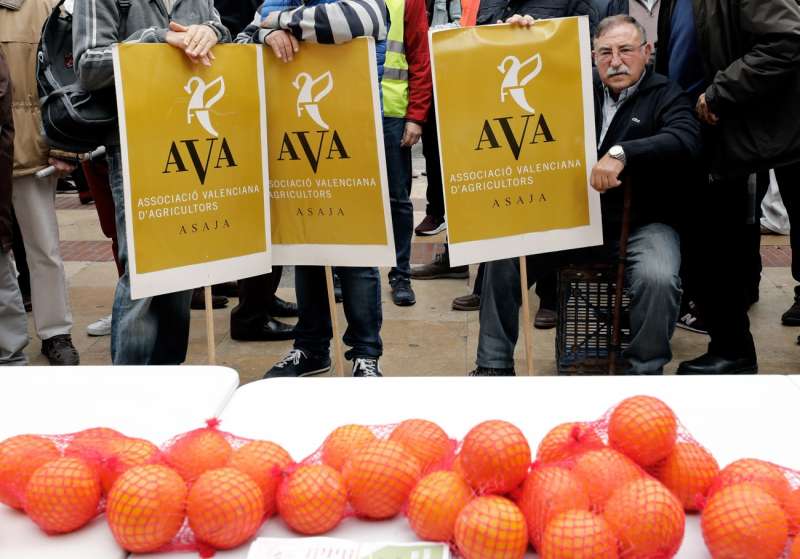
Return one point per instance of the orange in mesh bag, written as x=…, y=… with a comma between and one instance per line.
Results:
x=643, y=428
x=568, y=440
x=312, y=500
x=263, y=461
x=578, y=534
x=647, y=519
x=425, y=440
x=63, y=495
x=794, y=551
x=146, y=507
x=379, y=477
x=198, y=451
x=769, y=477
x=20, y=457
x=491, y=527
x=342, y=441
x=495, y=457
x=225, y=508
x=434, y=505
x=603, y=471
x=548, y=491
x=124, y=455
x=689, y=471
x=744, y=520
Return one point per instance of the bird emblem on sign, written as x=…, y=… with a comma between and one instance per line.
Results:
x=514, y=84
x=310, y=92
x=200, y=103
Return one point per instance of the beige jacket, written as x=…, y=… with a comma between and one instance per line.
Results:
x=19, y=38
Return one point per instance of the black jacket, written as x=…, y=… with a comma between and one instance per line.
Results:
x=237, y=14
x=6, y=156
x=492, y=11
x=751, y=56
x=613, y=8
x=660, y=135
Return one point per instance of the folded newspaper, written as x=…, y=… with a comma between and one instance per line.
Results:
x=333, y=548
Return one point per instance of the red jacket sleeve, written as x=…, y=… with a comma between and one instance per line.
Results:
x=420, y=84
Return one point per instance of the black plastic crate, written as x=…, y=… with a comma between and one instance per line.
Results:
x=585, y=321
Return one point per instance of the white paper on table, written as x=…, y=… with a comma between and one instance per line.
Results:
x=333, y=548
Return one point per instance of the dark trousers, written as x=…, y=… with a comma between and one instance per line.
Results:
x=433, y=168
x=256, y=295
x=398, y=169
x=96, y=176
x=789, y=185
x=724, y=265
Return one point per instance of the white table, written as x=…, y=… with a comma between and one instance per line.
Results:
x=795, y=379
x=154, y=403
x=734, y=417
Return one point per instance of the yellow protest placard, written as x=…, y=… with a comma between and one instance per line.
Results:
x=516, y=135
x=195, y=180
x=329, y=194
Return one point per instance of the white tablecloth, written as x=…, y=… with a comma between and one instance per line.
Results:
x=149, y=402
x=734, y=417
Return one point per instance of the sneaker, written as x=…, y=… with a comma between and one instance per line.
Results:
x=489, y=372
x=366, y=367
x=545, y=319
x=100, y=328
x=439, y=269
x=402, y=294
x=430, y=226
x=60, y=351
x=298, y=363
x=690, y=319
x=792, y=316
x=469, y=302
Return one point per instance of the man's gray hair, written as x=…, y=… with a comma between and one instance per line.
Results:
x=611, y=22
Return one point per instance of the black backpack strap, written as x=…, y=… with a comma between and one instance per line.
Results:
x=124, y=8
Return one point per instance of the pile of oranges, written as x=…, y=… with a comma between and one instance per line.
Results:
x=617, y=488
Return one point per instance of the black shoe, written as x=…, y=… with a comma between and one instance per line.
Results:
x=489, y=372
x=439, y=269
x=199, y=300
x=545, y=319
x=691, y=320
x=282, y=308
x=708, y=364
x=270, y=330
x=298, y=363
x=366, y=367
x=60, y=351
x=792, y=316
x=227, y=289
x=402, y=294
x=337, y=288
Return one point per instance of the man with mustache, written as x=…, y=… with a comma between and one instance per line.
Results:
x=740, y=62
x=646, y=131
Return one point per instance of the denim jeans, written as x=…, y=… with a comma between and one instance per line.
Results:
x=361, y=293
x=652, y=276
x=398, y=170
x=149, y=331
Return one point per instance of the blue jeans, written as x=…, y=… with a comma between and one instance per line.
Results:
x=398, y=170
x=652, y=275
x=149, y=331
x=361, y=293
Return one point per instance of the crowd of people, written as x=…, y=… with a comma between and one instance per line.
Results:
x=696, y=106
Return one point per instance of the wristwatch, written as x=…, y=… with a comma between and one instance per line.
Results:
x=617, y=153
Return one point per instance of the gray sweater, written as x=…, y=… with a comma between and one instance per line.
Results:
x=95, y=27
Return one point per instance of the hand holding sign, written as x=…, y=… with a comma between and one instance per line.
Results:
x=195, y=41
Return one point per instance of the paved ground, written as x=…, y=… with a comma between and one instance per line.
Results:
x=426, y=339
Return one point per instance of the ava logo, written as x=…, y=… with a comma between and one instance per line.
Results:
x=513, y=84
x=312, y=145
x=310, y=93
x=517, y=131
x=200, y=103
x=202, y=96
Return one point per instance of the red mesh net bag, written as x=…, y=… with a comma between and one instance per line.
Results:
x=752, y=510
x=578, y=534
x=312, y=499
x=434, y=505
x=426, y=441
x=494, y=457
x=20, y=456
x=491, y=527
x=568, y=440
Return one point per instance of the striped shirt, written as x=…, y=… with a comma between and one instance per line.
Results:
x=336, y=22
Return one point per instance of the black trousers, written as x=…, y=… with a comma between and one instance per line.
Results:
x=433, y=168
x=789, y=185
x=256, y=295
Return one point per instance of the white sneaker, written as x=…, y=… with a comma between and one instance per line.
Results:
x=100, y=328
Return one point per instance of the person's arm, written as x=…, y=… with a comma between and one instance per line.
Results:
x=253, y=33
x=415, y=39
x=775, y=24
x=337, y=22
x=677, y=139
